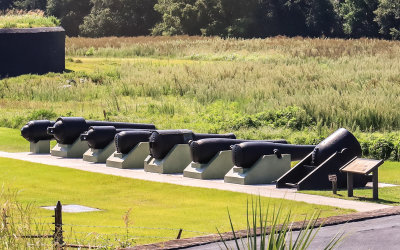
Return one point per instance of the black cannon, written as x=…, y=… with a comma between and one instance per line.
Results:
x=127, y=140
x=162, y=141
x=67, y=130
x=204, y=150
x=245, y=154
x=98, y=137
x=35, y=131
x=326, y=159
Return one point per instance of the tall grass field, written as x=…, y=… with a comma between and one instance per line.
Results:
x=298, y=89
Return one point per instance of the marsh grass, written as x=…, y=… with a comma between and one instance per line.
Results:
x=26, y=19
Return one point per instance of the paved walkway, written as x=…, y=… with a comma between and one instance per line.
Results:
x=178, y=179
x=374, y=234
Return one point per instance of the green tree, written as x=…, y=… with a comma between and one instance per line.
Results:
x=31, y=4
x=358, y=18
x=120, y=18
x=70, y=13
x=297, y=17
x=6, y=4
x=388, y=18
x=206, y=17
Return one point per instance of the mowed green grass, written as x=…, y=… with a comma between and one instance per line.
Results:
x=12, y=141
x=154, y=205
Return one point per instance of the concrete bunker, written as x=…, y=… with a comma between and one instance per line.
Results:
x=32, y=51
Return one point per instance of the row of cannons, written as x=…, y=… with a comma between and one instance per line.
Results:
x=201, y=156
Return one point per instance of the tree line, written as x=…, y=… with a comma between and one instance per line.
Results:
x=225, y=18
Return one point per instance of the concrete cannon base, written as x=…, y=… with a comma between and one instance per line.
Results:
x=99, y=155
x=216, y=168
x=134, y=159
x=40, y=147
x=174, y=162
x=265, y=171
x=75, y=150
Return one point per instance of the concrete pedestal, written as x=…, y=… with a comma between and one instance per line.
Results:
x=99, y=155
x=133, y=159
x=174, y=162
x=40, y=147
x=265, y=171
x=216, y=168
x=75, y=150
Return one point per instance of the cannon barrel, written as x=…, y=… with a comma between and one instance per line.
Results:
x=67, y=129
x=161, y=142
x=98, y=137
x=204, y=150
x=127, y=140
x=247, y=153
x=337, y=141
x=35, y=131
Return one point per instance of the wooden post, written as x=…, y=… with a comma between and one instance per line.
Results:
x=334, y=187
x=179, y=234
x=58, y=232
x=349, y=184
x=375, y=184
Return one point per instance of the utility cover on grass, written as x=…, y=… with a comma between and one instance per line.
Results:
x=74, y=208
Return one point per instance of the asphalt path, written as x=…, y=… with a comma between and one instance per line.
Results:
x=374, y=234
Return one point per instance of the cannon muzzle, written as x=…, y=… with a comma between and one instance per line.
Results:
x=162, y=141
x=35, y=131
x=204, y=150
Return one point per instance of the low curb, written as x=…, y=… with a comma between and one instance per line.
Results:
x=212, y=238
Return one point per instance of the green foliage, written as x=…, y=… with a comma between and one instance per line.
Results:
x=70, y=13
x=388, y=18
x=205, y=17
x=226, y=117
x=42, y=114
x=119, y=18
x=358, y=17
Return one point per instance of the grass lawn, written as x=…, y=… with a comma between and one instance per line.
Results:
x=154, y=205
x=12, y=141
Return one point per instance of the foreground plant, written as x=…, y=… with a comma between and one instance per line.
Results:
x=274, y=236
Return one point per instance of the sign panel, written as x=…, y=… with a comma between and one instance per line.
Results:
x=362, y=166
x=332, y=177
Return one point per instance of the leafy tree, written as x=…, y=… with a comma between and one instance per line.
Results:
x=297, y=17
x=206, y=17
x=358, y=18
x=70, y=12
x=31, y=4
x=5, y=4
x=120, y=18
x=388, y=18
